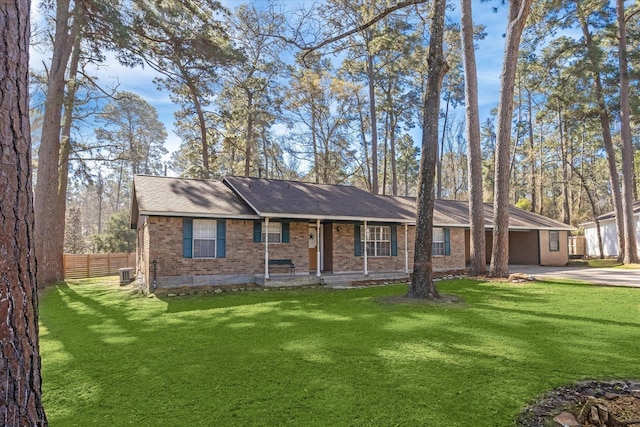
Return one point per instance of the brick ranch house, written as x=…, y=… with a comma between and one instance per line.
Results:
x=240, y=230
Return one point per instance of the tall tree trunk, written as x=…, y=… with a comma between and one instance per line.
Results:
x=247, y=152
x=57, y=233
x=441, y=150
x=566, y=210
x=477, y=246
x=386, y=152
x=326, y=153
x=392, y=154
x=47, y=215
x=603, y=114
x=540, y=170
x=406, y=180
x=119, y=186
x=265, y=152
x=202, y=125
x=374, y=120
x=568, y=177
x=20, y=380
x=582, y=166
x=516, y=141
x=532, y=157
x=594, y=210
x=422, y=285
x=232, y=159
x=100, y=192
x=630, y=250
x=518, y=13
x=314, y=141
x=366, y=170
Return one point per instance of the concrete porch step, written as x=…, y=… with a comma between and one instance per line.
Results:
x=328, y=279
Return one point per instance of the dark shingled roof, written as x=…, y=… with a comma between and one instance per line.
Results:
x=241, y=197
x=456, y=213
x=159, y=195
x=272, y=197
x=612, y=214
x=293, y=199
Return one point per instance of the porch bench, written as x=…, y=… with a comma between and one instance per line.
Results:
x=286, y=263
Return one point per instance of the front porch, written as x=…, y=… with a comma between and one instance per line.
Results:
x=347, y=278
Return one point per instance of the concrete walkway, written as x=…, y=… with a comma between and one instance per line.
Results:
x=596, y=276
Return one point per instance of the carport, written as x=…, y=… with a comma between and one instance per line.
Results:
x=533, y=239
x=524, y=247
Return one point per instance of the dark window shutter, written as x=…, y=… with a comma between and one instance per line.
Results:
x=447, y=241
x=257, y=231
x=187, y=236
x=394, y=240
x=357, y=244
x=221, y=238
x=285, y=232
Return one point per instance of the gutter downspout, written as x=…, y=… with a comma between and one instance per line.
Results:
x=266, y=248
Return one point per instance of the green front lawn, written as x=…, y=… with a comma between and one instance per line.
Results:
x=327, y=357
x=607, y=263
x=603, y=263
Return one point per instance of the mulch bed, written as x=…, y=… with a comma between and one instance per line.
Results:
x=586, y=404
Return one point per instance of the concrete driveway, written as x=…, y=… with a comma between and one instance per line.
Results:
x=597, y=276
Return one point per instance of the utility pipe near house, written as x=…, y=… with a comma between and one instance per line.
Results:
x=155, y=274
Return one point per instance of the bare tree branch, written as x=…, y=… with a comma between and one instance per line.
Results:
x=95, y=84
x=374, y=20
x=311, y=48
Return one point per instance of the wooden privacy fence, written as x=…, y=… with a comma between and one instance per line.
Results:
x=577, y=246
x=96, y=265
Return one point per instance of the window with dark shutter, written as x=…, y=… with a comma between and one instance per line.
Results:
x=187, y=235
x=204, y=238
x=378, y=240
x=221, y=242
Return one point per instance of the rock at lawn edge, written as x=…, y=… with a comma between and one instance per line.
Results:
x=566, y=419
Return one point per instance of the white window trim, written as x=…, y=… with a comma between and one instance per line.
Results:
x=557, y=233
x=434, y=241
x=272, y=225
x=214, y=238
x=375, y=241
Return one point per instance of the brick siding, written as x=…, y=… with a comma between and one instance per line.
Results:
x=162, y=239
x=243, y=255
x=456, y=260
x=344, y=258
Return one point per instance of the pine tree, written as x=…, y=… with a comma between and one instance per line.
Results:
x=20, y=380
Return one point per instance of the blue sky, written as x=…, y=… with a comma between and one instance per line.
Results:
x=488, y=57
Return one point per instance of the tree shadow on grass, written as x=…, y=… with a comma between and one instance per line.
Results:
x=559, y=316
x=444, y=300
x=316, y=357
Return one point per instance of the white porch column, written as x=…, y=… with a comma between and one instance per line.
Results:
x=266, y=248
x=406, y=248
x=366, y=261
x=318, y=247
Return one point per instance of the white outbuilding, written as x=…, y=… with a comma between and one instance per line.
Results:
x=608, y=232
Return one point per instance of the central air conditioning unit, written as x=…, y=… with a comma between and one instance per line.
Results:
x=126, y=275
